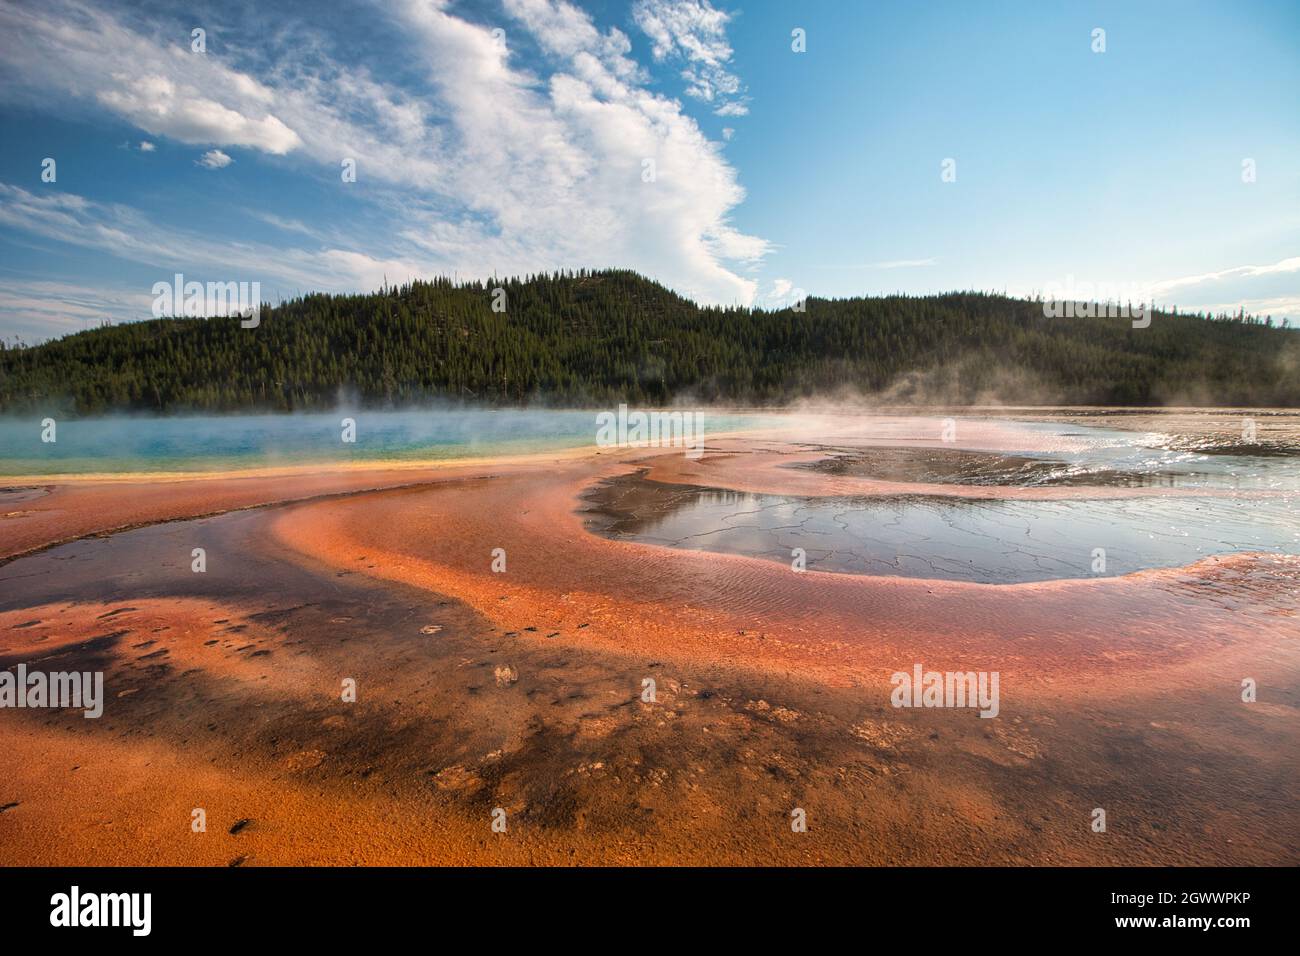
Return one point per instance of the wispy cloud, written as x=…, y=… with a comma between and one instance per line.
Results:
x=884, y=264
x=902, y=264
x=481, y=164
x=288, y=224
x=37, y=309
x=129, y=234
x=694, y=33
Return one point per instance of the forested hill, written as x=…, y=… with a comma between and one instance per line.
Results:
x=585, y=338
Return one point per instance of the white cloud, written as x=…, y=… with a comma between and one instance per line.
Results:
x=214, y=159
x=554, y=175
x=783, y=294
x=694, y=32
x=483, y=165
x=163, y=88
x=147, y=147
x=157, y=105
x=1166, y=287
x=562, y=29
x=1271, y=289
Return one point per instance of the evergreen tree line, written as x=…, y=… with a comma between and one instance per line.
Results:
x=597, y=338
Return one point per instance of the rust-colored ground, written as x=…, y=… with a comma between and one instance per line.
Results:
x=521, y=690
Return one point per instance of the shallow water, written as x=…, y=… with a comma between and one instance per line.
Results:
x=991, y=541
x=1099, y=457
x=1109, y=456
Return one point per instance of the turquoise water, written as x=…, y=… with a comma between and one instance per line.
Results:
x=124, y=444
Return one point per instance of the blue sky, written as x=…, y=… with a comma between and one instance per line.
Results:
x=509, y=136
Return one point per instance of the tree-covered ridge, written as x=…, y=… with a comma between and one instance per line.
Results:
x=597, y=338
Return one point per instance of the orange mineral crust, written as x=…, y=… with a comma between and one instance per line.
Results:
x=1055, y=637
x=349, y=681
x=41, y=512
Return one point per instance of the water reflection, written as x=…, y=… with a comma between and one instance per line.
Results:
x=996, y=541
